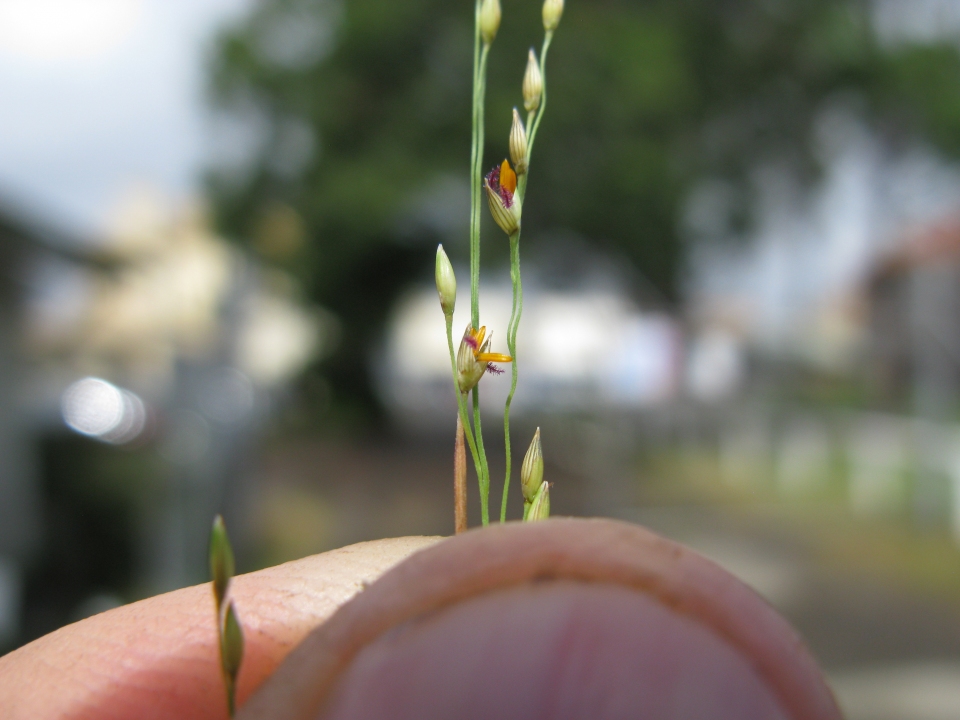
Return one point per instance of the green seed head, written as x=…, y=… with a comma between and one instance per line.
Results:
x=221, y=559
x=531, y=472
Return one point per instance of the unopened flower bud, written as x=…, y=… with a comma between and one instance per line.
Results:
x=540, y=507
x=221, y=559
x=489, y=20
x=552, y=11
x=532, y=83
x=501, y=186
x=446, y=282
x=531, y=472
x=518, y=144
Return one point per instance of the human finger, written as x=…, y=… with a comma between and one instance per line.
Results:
x=158, y=658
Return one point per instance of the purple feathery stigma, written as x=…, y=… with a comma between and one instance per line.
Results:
x=491, y=368
x=493, y=178
x=493, y=181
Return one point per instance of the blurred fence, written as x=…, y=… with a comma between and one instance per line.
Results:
x=878, y=464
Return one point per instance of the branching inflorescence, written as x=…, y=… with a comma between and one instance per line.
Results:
x=505, y=187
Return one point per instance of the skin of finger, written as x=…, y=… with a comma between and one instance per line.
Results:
x=158, y=658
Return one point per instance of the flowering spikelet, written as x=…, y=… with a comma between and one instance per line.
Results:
x=474, y=358
x=501, y=186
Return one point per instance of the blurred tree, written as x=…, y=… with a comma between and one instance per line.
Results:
x=353, y=118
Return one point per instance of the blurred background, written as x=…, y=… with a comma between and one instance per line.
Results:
x=741, y=261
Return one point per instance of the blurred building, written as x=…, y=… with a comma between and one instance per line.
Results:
x=163, y=341
x=597, y=342
x=792, y=287
x=914, y=300
x=20, y=519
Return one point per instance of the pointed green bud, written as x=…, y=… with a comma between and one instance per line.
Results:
x=446, y=282
x=540, y=507
x=531, y=472
x=552, y=12
x=489, y=20
x=231, y=643
x=221, y=559
x=518, y=144
x=231, y=655
x=532, y=83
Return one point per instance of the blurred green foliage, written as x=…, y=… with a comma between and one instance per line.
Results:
x=362, y=111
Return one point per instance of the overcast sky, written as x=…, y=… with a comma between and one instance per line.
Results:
x=99, y=96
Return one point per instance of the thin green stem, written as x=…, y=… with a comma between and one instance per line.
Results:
x=480, y=56
x=475, y=152
x=462, y=403
x=476, y=38
x=476, y=185
x=516, y=311
x=231, y=697
x=522, y=179
x=485, y=479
